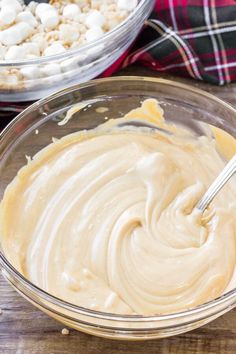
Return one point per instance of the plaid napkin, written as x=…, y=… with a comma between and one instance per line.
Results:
x=191, y=38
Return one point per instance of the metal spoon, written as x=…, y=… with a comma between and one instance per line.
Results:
x=218, y=184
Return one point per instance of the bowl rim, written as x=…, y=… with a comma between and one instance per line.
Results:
x=6, y=265
x=87, y=46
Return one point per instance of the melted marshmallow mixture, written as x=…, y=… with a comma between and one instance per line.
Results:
x=105, y=219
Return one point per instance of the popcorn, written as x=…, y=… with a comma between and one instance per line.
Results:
x=11, y=80
x=65, y=331
x=68, y=33
x=71, y=11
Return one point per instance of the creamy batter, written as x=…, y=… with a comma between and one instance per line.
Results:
x=105, y=219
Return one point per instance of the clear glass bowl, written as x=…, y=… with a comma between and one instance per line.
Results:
x=181, y=103
x=73, y=66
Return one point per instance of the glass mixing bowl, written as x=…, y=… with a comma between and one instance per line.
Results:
x=53, y=73
x=33, y=129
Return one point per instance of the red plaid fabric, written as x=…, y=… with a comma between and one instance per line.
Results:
x=193, y=38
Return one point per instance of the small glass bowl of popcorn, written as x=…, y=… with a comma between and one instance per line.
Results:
x=45, y=47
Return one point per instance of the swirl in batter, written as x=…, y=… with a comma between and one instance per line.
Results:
x=104, y=219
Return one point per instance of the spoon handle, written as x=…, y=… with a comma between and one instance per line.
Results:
x=218, y=183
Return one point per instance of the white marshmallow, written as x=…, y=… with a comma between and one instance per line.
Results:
x=68, y=33
x=96, y=50
x=26, y=16
x=14, y=3
x=30, y=72
x=43, y=8
x=128, y=5
x=93, y=33
x=7, y=15
x=69, y=64
x=71, y=11
x=95, y=18
x=15, y=52
x=40, y=41
x=15, y=34
x=48, y=15
x=32, y=7
x=51, y=69
x=49, y=19
x=31, y=56
x=31, y=48
x=82, y=59
x=53, y=49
